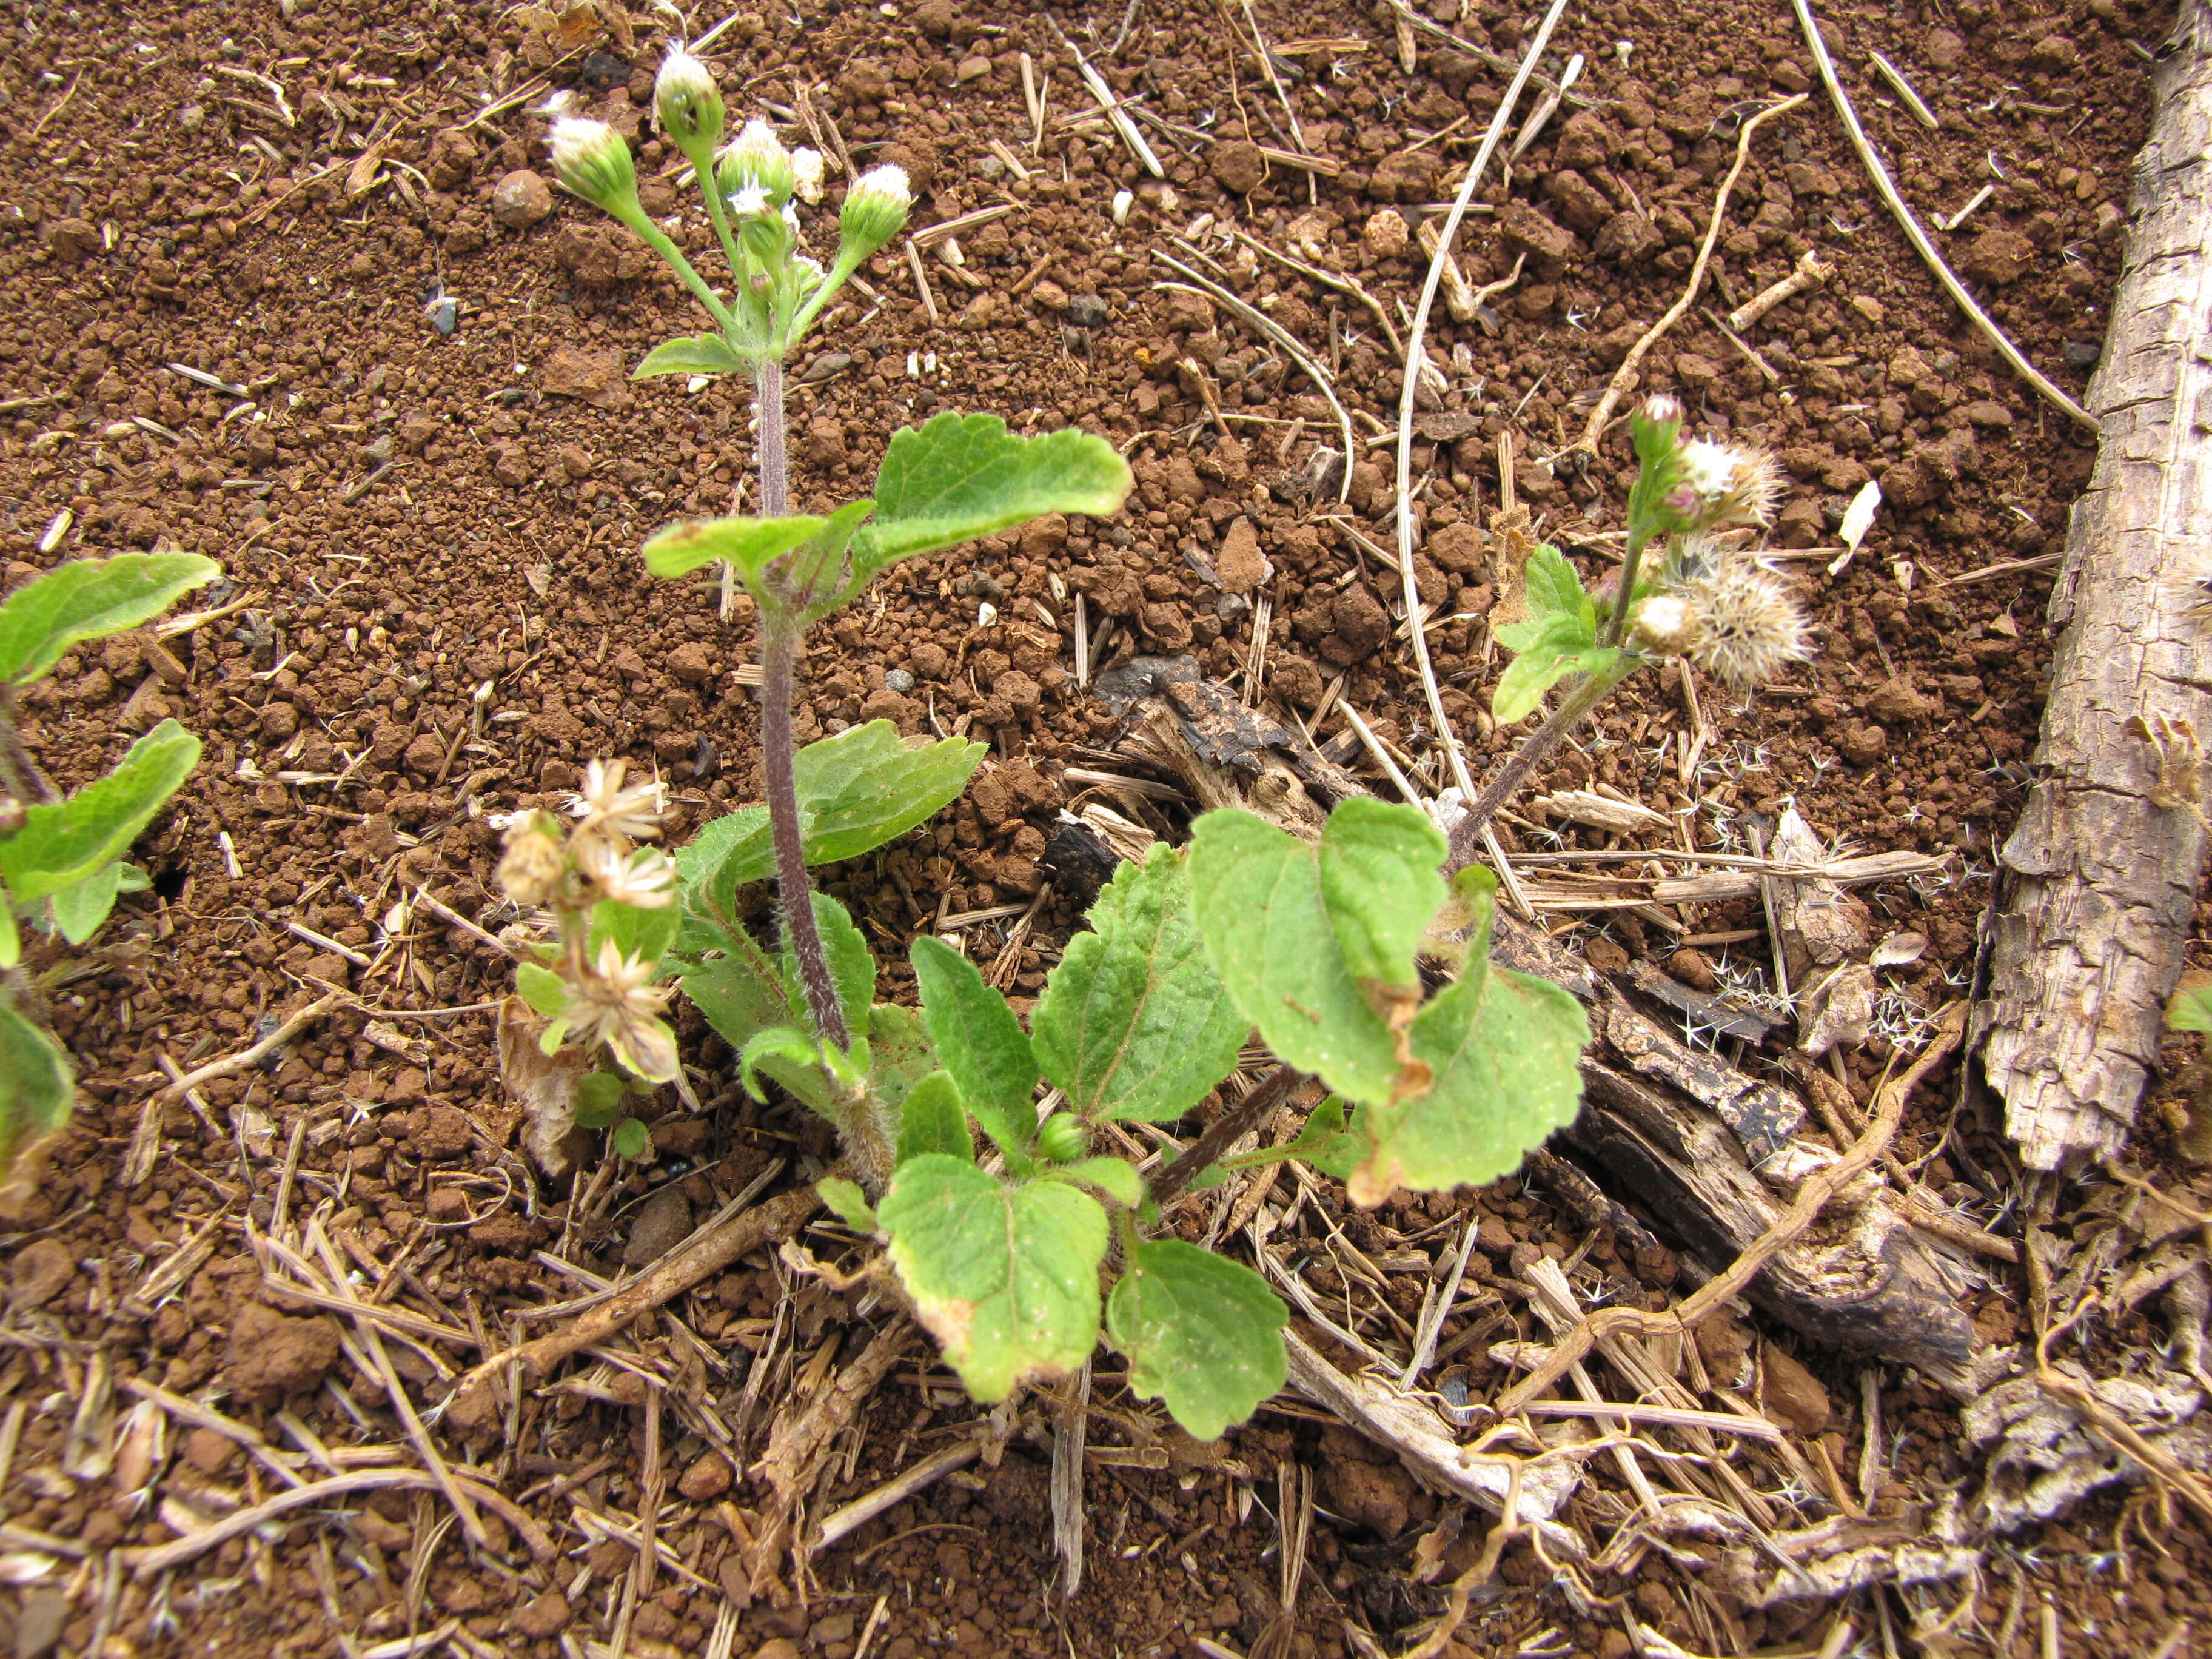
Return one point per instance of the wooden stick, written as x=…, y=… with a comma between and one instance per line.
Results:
x=232, y=1065
x=1887, y=191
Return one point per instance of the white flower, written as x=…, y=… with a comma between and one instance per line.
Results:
x=603, y=805
x=644, y=879
x=1732, y=485
x=687, y=102
x=1744, y=627
x=756, y=159
x=806, y=174
x=592, y=160
x=750, y=202
x=875, y=208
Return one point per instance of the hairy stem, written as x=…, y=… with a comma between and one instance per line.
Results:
x=653, y=236
x=767, y=409
x=779, y=650
x=1271, y=1091
x=1466, y=833
x=19, y=774
x=1616, y=625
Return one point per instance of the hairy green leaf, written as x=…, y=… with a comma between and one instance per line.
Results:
x=545, y=991
x=748, y=545
x=1134, y=1022
x=64, y=841
x=980, y=1041
x=1553, y=591
x=1548, y=659
x=850, y=1204
x=689, y=354
x=87, y=599
x=11, y=942
x=786, y=1044
x=899, y=1055
x=1257, y=894
x=1381, y=881
x=1505, y=1051
x=633, y=1140
x=79, y=908
x=963, y=476
x=637, y=930
x=1006, y=1277
x=2191, y=1007
x=1118, y=1180
x=856, y=791
x=935, y=1120
x=37, y=1090
x=1201, y=1332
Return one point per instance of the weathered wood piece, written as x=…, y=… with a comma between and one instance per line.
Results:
x=2097, y=880
x=1675, y=1132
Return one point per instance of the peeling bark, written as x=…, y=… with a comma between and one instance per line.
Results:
x=2097, y=880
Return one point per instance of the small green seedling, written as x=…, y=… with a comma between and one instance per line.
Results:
x=1361, y=960
x=62, y=860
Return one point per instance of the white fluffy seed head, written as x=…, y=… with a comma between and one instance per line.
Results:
x=1665, y=624
x=1732, y=485
x=806, y=174
x=1748, y=631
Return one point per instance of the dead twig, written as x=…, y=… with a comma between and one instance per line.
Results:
x=1887, y=189
x=231, y=1064
x=1617, y=388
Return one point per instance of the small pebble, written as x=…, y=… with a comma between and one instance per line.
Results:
x=898, y=680
x=2081, y=354
x=1086, y=311
x=444, y=314
x=521, y=199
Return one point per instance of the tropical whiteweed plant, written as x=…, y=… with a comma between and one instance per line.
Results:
x=61, y=858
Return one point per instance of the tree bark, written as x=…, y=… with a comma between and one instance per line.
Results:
x=2097, y=884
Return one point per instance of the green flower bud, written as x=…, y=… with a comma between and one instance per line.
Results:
x=875, y=210
x=1061, y=1139
x=591, y=159
x=689, y=103
x=756, y=159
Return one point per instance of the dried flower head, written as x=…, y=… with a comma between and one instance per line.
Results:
x=645, y=878
x=1724, y=484
x=1662, y=407
x=534, y=862
x=1748, y=629
x=605, y=807
x=592, y=160
x=689, y=103
x=614, y=1001
x=1666, y=625
x=875, y=210
x=806, y=174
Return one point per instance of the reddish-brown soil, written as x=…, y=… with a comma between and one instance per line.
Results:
x=437, y=614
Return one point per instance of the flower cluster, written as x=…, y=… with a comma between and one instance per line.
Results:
x=1713, y=603
x=608, y=997
x=750, y=185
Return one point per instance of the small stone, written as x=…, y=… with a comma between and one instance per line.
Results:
x=1987, y=413
x=73, y=239
x=1689, y=965
x=425, y=755
x=692, y=662
x=39, y=1272
x=447, y=1204
x=1525, y=230
x=597, y=377
x=1628, y=239
x=781, y=1647
x=39, y=1627
x=547, y=1616
x=1384, y=236
x=1795, y=1398
x=521, y=199
x=1999, y=256
x=1240, y=564
x=1943, y=48
x=1238, y=165
x=898, y=680
x=2081, y=354
x=440, y=1131
x=663, y=1222
x=1408, y=176
x=1087, y=311
x=1895, y=702
x=2054, y=55
x=709, y=1478
x=1862, y=745
x=272, y=1356
x=1050, y=295
x=208, y=1452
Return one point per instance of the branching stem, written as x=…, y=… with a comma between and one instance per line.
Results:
x=1466, y=834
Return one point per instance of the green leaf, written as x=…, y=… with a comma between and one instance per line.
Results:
x=1554, y=655
x=748, y=545
x=1005, y=1277
x=1118, y=1180
x=786, y=1043
x=11, y=943
x=2191, y=1007
x=636, y=932
x=964, y=475
x=1505, y=1048
x=1201, y=1331
x=79, y=908
x=545, y=991
x=1327, y=1143
x=851, y=965
x=689, y=354
x=1554, y=593
x=87, y=598
x=856, y=791
x=37, y=1090
x=934, y=1119
x=1134, y=1022
x=633, y=1140
x=600, y=1097
x=1381, y=881
x=1257, y=894
x=64, y=841
x=899, y=1055
x=980, y=1041
x=849, y=1201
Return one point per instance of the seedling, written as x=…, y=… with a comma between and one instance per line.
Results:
x=61, y=859
x=1362, y=960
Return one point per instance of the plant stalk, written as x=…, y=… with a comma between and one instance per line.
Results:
x=1271, y=1091
x=1616, y=625
x=780, y=637
x=1466, y=833
x=20, y=776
